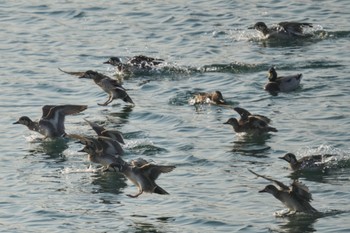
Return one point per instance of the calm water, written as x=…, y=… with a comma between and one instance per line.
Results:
x=47, y=187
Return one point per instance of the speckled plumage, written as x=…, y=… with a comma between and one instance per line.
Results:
x=283, y=30
x=307, y=162
x=211, y=98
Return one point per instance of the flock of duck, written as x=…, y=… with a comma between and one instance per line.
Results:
x=106, y=147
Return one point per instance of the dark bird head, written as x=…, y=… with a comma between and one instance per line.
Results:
x=289, y=157
x=272, y=74
x=232, y=121
x=24, y=120
x=269, y=189
x=260, y=26
x=218, y=98
x=114, y=61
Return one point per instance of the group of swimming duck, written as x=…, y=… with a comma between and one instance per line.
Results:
x=105, y=148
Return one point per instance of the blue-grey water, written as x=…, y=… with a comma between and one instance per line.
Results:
x=46, y=186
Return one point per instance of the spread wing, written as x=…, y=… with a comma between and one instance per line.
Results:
x=98, y=129
x=77, y=73
x=110, y=146
x=301, y=190
x=114, y=134
x=280, y=184
x=46, y=109
x=294, y=27
x=242, y=112
x=153, y=171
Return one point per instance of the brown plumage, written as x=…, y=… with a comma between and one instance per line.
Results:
x=212, y=98
x=250, y=123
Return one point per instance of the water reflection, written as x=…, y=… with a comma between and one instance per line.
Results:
x=109, y=182
x=53, y=148
x=251, y=145
x=122, y=115
x=143, y=226
x=299, y=223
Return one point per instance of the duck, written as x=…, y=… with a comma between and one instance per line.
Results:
x=283, y=30
x=101, y=131
x=282, y=83
x=100, y=150
x=307, y=162
x=295, y=197
x=104, y=144
x=133, y=64
x=250, y=123
x=111, y=86
x=51, y=123
x=205, y=97
x=143, y=175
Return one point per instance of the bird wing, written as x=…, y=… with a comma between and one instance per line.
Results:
x=46, y=109
x=257, y=123
x=242, y=112
x=50, y=110
x=280, y=184
x=153, y=171
x=301, y=191
x=76, y=73
x=110, y=146
x=294, y=27
x=114, y=134
x=88, y=141
x=97, y=128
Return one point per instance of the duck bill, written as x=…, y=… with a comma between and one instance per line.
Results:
x=282, y=158
x=262, y=191
x=251, y=27
x=107, y=62
x=82, y=150
x=14, y=123
x=226, y=123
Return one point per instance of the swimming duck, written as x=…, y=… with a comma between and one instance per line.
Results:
x=110, y=86
x=307, y=162
x=51, y=123
x=212, y=98
x=101, y=131
x=296, y=198
x=143, y=175
x=283, y=30
x=282, y=83
x=136, y=62
x=249, y=123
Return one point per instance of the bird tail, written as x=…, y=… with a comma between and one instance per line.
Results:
x=159, y=190
x=127, y=99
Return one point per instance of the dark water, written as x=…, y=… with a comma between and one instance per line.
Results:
x=48, y=187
